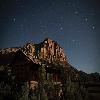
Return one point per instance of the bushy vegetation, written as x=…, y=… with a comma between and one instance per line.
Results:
x=10, y=89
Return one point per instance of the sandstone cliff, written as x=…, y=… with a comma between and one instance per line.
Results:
x=47, y=50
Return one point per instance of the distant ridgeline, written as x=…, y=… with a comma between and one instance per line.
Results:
x=45, y=63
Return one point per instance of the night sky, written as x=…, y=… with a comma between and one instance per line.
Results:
x=74, y=24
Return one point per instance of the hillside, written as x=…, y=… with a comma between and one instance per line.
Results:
x=23, y=65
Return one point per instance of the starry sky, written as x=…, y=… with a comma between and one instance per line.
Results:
x=74, y=24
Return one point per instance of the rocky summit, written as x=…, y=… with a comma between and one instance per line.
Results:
x=47, y=50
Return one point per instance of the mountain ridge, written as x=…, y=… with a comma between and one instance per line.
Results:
x=48, y=49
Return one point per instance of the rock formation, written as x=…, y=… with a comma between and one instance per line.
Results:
x=47, y=50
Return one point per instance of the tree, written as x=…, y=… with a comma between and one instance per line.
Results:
x=42, y=82
x=23, y=91
x=50, y=87
x=72, y=90
x=65, y=83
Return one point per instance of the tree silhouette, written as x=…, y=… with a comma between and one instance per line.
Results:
x=42, y=81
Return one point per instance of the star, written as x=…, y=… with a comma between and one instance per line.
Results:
x=86, y=19
x=61, y=28
x=93, y=27
x=76, y=12
x=73, y=40
x=14, y=19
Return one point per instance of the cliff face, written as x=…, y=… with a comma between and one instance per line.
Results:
x=47, y=50
x=8, y=50
x=52, y=51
